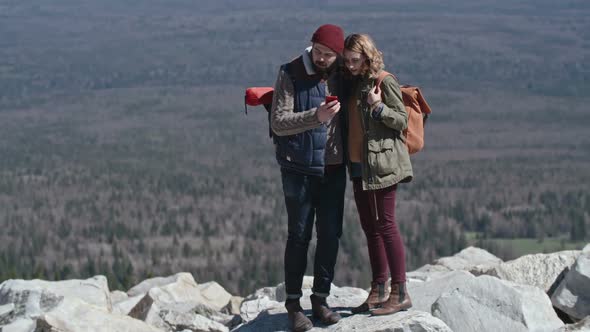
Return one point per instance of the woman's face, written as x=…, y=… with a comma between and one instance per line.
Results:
x=354, y=61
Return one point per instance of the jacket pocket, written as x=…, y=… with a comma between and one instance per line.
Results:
x=297, y=149
x=381, y=157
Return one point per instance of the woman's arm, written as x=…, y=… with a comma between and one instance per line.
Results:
x=393, y=113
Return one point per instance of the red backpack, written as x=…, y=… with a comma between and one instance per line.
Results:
x=418, y=111
x=258, y=96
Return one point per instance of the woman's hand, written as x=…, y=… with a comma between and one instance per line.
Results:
x=374, y=96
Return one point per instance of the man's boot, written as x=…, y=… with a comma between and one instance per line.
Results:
x=376, y=297
x=398, y=300
x=297, y=319
x=321, y=311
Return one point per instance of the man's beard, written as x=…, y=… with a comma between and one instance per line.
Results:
x=323, y=71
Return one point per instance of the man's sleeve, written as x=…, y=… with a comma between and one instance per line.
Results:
x=283, y=120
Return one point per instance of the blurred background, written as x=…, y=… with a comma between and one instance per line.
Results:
x=125, y=150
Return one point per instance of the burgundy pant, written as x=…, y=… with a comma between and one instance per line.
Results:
x=386, y=248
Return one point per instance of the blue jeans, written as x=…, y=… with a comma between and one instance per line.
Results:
x=308, y=197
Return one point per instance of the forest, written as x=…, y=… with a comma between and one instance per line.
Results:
x=125, y=150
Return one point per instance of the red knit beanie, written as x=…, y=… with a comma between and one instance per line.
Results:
x=331, y=36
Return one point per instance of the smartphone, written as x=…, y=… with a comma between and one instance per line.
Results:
x=331, y=98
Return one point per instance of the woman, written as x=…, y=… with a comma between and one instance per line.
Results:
x=379, y=160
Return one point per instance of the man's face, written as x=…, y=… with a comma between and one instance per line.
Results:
x=323, y=57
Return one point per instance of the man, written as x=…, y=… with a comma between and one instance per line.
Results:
x=308, y=137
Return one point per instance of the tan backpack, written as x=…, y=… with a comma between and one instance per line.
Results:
x=418, y=111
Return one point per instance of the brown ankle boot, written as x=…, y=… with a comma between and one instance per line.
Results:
x=321, y=311
x=398, y=300
x=297, y=319
x=375, y=298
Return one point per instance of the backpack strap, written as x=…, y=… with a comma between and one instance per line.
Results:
x=382, y=75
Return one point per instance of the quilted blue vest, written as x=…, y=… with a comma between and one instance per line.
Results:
x=304, y=152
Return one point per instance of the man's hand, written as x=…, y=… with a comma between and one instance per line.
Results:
x=327, y=111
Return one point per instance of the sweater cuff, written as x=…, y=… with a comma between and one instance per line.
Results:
x=376, y=113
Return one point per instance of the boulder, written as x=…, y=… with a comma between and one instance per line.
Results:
x=572, y=296
x=74, y=315
x=540, y=270
x=118, y=296
x=275, y=319
x=190, y=321
x=143, y=287
x=217, y=297
x=5, y=312
x=424, y=294
x=233, y=307
x=466, y=259
x=487, y=303
x=93, y=291
x=124, y=307
x=263, y=299
x=581, y=326
x=32, y=298
x=251, y=308
x=19, y=325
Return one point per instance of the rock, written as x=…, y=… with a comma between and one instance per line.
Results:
x=19, y=325
x=190, y=321
x=181, y=305
x=124, y=307
x=276, y=320
x=486, y=303
x=540, y=270
x=233, y=307
x=40, y=295
x=581, y=326
x=424, y=294
x=250, y=309
x=217, y=297
x=426, y=273
x=143, y=287
x=5, y=312
x=466, y=259
x=262, y=299
x=74, y=315
x=572, y=296
x=118, y=296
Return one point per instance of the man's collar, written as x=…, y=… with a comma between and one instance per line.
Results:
x=307, y=62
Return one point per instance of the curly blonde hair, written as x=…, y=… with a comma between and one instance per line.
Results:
x=364, y=45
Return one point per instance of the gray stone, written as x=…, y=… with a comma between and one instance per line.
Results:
x=143, y=287
x=74, y=315
x=19, y=325
x=250, y=309
x=467, y=258
x=261, y=300
x=581, y=326
x=424, y=294
x=276, y=320
x=233, y=307
x=33, y=297
x=540, y=270
x=572, y=296
x=6, y=311
x=118, y=296
x=190, y=321
x=486, y=303
x=124, y=307
x=215, y=295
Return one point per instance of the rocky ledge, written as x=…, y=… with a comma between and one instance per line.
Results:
x=470, y=291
